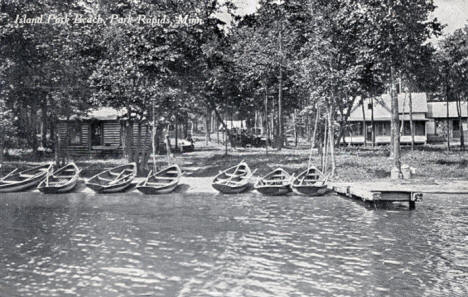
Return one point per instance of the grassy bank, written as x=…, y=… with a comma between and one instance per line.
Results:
x=353, y=164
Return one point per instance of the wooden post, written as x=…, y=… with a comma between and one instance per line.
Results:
x=153, y=136
x=267, y=133
x=372, y=122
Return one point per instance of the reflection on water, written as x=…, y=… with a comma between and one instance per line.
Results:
x=213, y=245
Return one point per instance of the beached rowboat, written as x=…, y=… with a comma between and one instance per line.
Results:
x=161, y=182
x=62, y=180
x=113, y=180
x=233, y=180
x=277, y=182
x=20, y=181
x=310, y=182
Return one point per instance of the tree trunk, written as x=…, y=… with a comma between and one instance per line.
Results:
x=128, y=149
x=295, y=127
x=411, y=119
x=168, y=146
x=331, y=137
x=280, y=90
x=325, y=147
x=57, y=147
x=145, y=153
x=395, y=126
x=176, y=132
x=2, y=143
x=448, y=120
x=460, y=123
x=364, y=129
x=139, y=150
x=372, y=122
x=267, y=133
x=207, y=126
x=44, y=123
x=314, y=136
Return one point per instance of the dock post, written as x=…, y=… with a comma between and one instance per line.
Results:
x=412, y=205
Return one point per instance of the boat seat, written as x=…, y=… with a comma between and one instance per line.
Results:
x=272, y=181
x=27, y=175
x=55, y=183
x=105, y=179
x=172, y=172
x=155, y=184
x=9, y=182
x=233, y=175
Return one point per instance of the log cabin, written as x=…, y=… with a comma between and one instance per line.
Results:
x=98, y=133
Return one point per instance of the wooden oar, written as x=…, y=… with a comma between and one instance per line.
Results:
x=147, y=178
x=9, y=174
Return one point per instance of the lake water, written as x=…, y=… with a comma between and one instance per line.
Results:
x=214, y=245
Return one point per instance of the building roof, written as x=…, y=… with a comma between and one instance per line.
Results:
x=382, y=107
x=439, y=110
x=234, y=124
x=100, y=114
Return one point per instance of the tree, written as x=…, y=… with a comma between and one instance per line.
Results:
x=396, y=33
x=453, y=65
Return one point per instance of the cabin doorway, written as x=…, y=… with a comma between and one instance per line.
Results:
x=97, y=137
x=369, y=133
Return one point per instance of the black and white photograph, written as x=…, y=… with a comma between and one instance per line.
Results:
x=233, y=148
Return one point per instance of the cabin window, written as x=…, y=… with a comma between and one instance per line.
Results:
x=97, y=137
x=74, y=133
x=355, y=129
x=420, y=128
x=382, y=129
x=456, y=125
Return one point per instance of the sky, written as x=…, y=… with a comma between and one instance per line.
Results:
x=454, y=13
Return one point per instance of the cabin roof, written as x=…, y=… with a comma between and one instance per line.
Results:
x=382, y=106
x=438, y=110
x=100, y=114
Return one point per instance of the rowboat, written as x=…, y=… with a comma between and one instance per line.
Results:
x=277, y=182
x=62, y=180
x=161, y=182
x=113, y=180
x=20, y=181
x=310, y=182
x=234, y=179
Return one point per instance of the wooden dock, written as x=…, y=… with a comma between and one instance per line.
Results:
x=378, y=193
x=410, y=191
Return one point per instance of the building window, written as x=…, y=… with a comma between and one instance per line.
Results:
x=74, y=133
x=382, y=128
x=419, y=128
x=369, y=106
x=355, y=129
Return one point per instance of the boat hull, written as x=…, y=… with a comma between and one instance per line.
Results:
x=109, y=189
x=274, y=190
x=155, y=191
x=310, y=190
x=58, y=190
x=231, y=189
x=26, y=185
